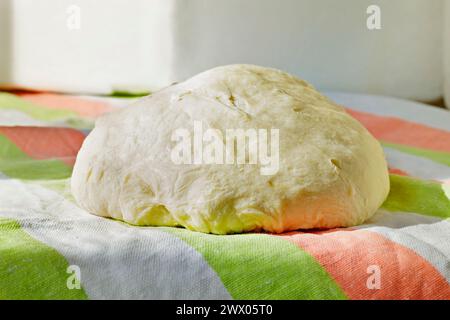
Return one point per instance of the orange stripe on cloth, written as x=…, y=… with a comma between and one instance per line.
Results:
x=351, y=256
x=400, y=131
x=46, y=143
x=398, y=171
x=83, y=107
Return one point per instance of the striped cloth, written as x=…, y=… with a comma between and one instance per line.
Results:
x=51, y=249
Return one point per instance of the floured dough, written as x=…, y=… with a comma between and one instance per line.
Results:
x=330, y=173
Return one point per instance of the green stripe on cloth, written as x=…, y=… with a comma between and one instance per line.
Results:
x=446, y=189
x=258, y=266
x=437, y=156
x=16, y=164
x=129, y=94
x=38, y=112
x=31, y=270
x=418, y=196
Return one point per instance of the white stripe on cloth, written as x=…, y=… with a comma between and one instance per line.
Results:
x=117, y=261
x=9, y=117
x=112, y=101
x=429, y=237
x=417, y=166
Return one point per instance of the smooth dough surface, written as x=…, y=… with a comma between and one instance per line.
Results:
x=332, y=172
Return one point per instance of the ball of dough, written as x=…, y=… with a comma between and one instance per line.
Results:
x=150, y=164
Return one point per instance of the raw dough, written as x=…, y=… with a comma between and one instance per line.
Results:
x=331, y=172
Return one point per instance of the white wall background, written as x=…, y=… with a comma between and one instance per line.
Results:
x=119, y=44
x=446, y=51
x=323, y=41
x=144, y=45
x=5, y=39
